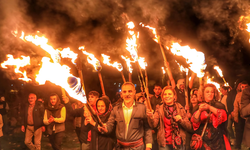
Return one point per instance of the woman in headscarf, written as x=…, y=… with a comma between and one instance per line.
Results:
x=54, y=118
x=101, y=141
x=215, y=113
x=171, y=120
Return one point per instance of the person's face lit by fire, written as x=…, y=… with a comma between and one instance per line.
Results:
x=101, y=107
x=128, y=93
x=53, y=100
x=223, y=91
x=194, y=99
x=182, y=87
x=32, y=99
x=157, y=90
x=244, y=86
x=168, y=97
x=209, y=94
x=92, y=100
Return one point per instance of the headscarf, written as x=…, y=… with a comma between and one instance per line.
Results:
x=104, y=117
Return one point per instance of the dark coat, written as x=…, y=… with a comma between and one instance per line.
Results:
x=138, y=126
x=101, y=141
x=79, y=113
x=245, y=111
x=38, y=113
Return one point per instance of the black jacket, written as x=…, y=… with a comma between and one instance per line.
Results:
x=38, y=114
x=79, y=113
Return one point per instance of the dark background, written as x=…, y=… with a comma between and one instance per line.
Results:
x=100, y=25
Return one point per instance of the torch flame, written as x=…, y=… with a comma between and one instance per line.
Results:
x=67, y=53
x=60, y=75
x=209, y=80
x=128, y=62
x=106, y=60
x=153, y=31
x=248, y=24
x=142, y=63
x=54, y=71
x=131, y=42
x=217, y=68
x=92, y=60
x=194, y=58
x=17, y=63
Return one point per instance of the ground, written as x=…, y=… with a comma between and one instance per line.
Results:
x=70, y=142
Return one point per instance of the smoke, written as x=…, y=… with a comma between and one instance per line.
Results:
x=100, y=25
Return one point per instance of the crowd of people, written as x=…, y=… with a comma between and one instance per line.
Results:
x=212, y=120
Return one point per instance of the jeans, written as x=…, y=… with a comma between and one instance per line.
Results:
x=37, y=138
x=56, y=140
x=239, y=129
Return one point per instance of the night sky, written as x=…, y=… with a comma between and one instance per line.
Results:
x=100, y=25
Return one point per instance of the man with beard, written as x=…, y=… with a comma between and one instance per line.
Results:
x=132, y=117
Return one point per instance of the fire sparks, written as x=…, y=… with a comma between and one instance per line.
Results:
x=194, y=58
x=131, y=42
x=142, y=63
x=128, y=62
x=106, y=60
x=92, y=60
x=18, y=63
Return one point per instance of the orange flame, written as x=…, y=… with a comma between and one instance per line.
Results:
x=67, y=53
x=106, y=60
x=209, y=80
x=217, y=68
x=153, y=31
x=248, y=24
x=128, y=62
x=92, y=60
x=131, y=42
x=182, y=69
x=60, y=75
x=163, y=70
x=54, y=71
x=142, y=63
x=18, y=63
x=195, y=59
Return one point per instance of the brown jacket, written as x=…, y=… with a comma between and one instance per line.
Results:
x=138, y=126
x=245, y=111
x=185, y=124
